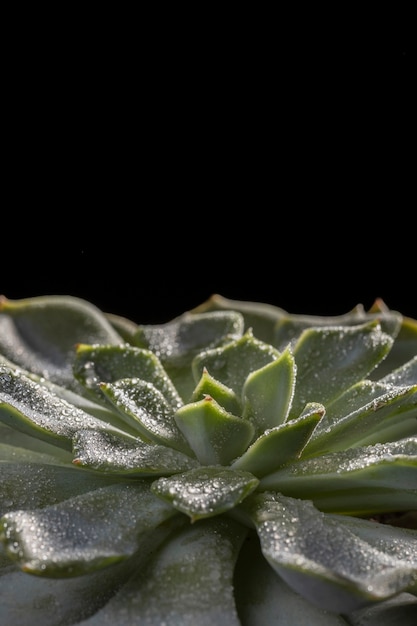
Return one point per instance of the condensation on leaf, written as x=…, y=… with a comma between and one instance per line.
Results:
x=207, y=491
x=42, y=407
x=106, y=364
x=296, y=537
x=111, y=453
x=178, y=341
x=83, y=533
x=145, y=407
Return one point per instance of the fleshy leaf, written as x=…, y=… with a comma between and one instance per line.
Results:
x=330, y=360
x=145, y=408
x=403, y=376
x=232, y=364
x=262, y=597
x=115, y=454
x=326, y=559
x=205, y=491
x=404, y=349
x=259, y=316
x=187, y=582
x=281, y=444
x=20, y=443
x=289, y=327
x=39, y=334
x=268, y=393
x=97, y=407
x=367, y=413
x=209, y=386
x=98, y=364
x=214, y=435
x=176, y=343
x=72, y=537
x=34, y=410
x=33, y=600
x=357, y=481
x=398, y=611
x=31, y=482
x=125, y=327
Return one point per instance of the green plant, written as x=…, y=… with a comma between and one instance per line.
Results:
x=235, y=465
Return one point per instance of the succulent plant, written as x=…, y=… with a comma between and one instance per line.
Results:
x=237, y=464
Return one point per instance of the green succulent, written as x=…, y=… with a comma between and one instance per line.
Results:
x=237, y=465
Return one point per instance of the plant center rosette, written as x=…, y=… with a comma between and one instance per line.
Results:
x=233, y=463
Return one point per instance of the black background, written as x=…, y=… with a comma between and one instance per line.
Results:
x=261, y=161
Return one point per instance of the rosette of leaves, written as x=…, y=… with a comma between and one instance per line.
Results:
x=235, y=465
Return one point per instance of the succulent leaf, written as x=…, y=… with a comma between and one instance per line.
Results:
x=39, y=334
x=332, y=359
x=215, y=435
x=259, y=316
x=224, y=396
x=33, y=409
x=28, y=600
x=144, y=407
x=207, y=491
x=72, y=537
x=289, y=327
x=187, y=581
x=264, y=598
x=33, y=480
x=176, y=343
x=231, y=364
x=385, y=475
x=98, y=364
x=268, y=392
x=280, y=445
x=373, y=413
x=328, y=559
x=117, y=454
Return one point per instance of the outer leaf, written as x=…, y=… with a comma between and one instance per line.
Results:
x=290, y=326
x=143, y=407
x=404, y=348
x=280, y=445
x=206, y=491
x=17, y=443
x=179, y=341
x=31, y=482
x=72, y=538
x=269, y=391
x=34, y=410
x=372, y=414
x=262, y=597
x=214, y=435
x=358, y=481
x=260, y=317
x=32, y=600
x=39, y=334
x=330, y=360
x=405, y=375
x=188, y=582
x=325, y=558
x=115, y=454
x=95, y=365
x=398, y=611
x=125, y=327
x=97, y=407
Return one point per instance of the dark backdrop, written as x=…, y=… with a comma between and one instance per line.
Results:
x=147, y=177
